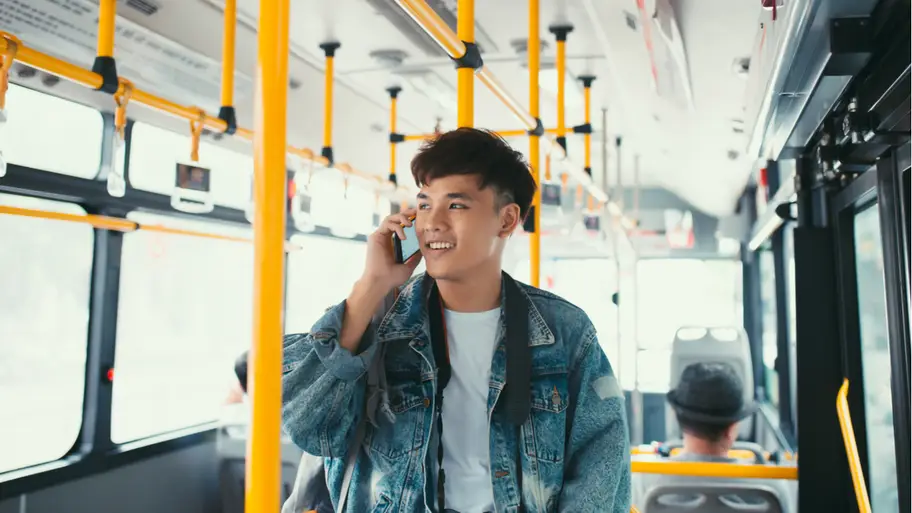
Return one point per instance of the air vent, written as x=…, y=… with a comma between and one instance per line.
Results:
x=48, y=80
x=389, y=58
x=631, y=20
x=25, y=72
x=147, y=7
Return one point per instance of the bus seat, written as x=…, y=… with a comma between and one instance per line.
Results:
x=231, y=446
x=708, y=497
x=704, y=344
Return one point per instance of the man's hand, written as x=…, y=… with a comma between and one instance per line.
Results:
x=381, y=275
x=381, y=269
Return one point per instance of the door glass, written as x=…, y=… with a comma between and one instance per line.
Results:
x=875, y=361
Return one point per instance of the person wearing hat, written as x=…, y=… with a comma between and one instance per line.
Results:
x=709, y=403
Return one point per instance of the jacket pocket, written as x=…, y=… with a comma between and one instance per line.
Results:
x=546, y=429
x=405, y=433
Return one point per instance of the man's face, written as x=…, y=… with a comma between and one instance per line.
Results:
x=460, y=228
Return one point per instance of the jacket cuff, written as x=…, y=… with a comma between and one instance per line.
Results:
x=339, y=361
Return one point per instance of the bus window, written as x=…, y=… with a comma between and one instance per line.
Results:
x=875, y=361
x=38, y=122
x=677, y=292
x=589, y=284
x=154, y=152
x=319, y=276
x=769, y=346
x=45, y=276
x=185, y=313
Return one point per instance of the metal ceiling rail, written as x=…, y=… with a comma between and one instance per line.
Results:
x=435, y=27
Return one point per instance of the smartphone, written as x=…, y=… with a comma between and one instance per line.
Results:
x=407, y=248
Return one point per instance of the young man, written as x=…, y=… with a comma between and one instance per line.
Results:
x=548, y=405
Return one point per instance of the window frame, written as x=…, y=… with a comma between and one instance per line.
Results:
x=93, y=452
x=88, y=301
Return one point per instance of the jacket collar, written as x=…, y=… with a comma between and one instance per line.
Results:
x=408, y=317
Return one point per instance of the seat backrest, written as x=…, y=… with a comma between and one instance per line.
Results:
x=231, y=448
x=703, y=344
x=713, y=497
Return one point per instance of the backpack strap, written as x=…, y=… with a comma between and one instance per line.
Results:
x=376, y=398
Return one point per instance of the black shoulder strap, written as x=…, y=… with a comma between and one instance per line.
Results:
x=516, y=400
x=517, y=394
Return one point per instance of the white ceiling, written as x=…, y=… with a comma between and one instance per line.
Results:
x=684, y=150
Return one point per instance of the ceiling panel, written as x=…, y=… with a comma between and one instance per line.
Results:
x=694, y=152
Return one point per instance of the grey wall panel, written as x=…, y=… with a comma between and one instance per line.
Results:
x=184, y=481
x=10, y=505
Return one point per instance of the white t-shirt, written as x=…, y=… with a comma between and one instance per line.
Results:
x=472, y=340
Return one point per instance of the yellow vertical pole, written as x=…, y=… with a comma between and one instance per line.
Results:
x=560, y=33
x=393, y=130
x=465, y=77
x=394, y=100
x=534, y=54
x=263, y=458
x=228, y=45
x=106, y=11
x=329, y=49
x=587, y=137
x=561, y=87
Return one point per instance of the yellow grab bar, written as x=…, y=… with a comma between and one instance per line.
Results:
x=103, y=222
x=534, y=57
x=848, y=437
x=428, y=20
x=87, y=78
x=706, y=469
x=125, y=225
x=270, y=113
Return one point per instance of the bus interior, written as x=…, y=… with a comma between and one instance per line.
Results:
x=720, y=181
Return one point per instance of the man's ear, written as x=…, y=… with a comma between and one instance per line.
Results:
x=509, y=219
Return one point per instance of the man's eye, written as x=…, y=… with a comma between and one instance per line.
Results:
x=424, y=206
x=457, y=205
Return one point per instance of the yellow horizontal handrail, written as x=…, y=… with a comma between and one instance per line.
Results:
x=848, y=437
x=103, y=222
x=123, y=225
x=633, y=509
x=191, y=233
x=502, y=133
x=85, y=77
x=713, y=469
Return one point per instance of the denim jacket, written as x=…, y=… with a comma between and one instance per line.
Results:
x=575, y=446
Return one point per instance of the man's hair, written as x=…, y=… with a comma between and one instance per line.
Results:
x=472, y=151
x=710, y=432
